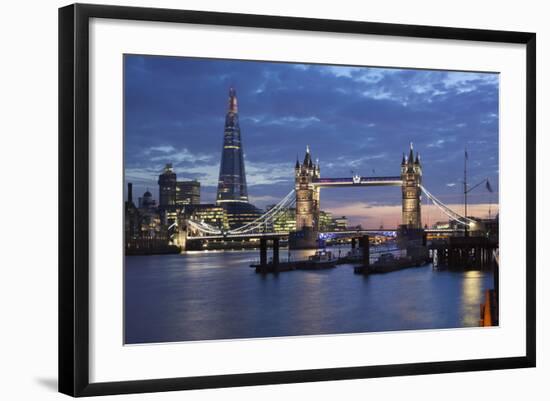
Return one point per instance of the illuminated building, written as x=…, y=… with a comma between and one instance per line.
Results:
x=341, y=223
x=167, y=187
x=441, y=225
x=326, y=222
x=150, y=225
x=173, y=192
x=286, y=222
x=211, y=214
x=188, y=192
x=240, y=213
x=232, y=179
x=232, y=193
x=146, y=219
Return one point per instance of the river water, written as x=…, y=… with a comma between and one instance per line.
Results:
x=215, y=295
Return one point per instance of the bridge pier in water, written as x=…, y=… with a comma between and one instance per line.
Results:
x=365, y=244
x=265, y=266
x=366, y=250
x=275, y=252
x=306, y=238
x=263, y=251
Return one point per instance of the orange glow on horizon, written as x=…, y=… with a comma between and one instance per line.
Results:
x=371, y=216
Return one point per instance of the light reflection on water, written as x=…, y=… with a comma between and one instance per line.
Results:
x=472, y=296
x=215, y=295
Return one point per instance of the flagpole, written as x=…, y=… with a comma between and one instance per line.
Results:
x=465, y=195
x=490, y=197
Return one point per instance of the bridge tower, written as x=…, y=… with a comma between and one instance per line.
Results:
x=307, y=195
x=411, y=176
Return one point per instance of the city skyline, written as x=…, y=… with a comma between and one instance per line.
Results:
x=357, y=120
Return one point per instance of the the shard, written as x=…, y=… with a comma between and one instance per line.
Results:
x=232, y=181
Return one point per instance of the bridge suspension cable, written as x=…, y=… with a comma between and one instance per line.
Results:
x=204, y=227
x=289, y=200
x=272, y=214
x=276, y=211
x=449, y=212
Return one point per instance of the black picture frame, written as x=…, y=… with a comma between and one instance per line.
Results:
x=74, y=200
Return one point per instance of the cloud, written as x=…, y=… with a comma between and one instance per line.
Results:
x=437, y=144
x=162, y=148
x=140, y=175
x=261, y=173
x=359, y=74
x=171, y=155
x=383, y=94
x=489, y=118
x=301, y=67
x=468, y=81
x=353, y=117
x=301, y=121
x=295, y=121
x=263, y=199
x=361, y=161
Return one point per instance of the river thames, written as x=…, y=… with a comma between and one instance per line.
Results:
x=215, y=295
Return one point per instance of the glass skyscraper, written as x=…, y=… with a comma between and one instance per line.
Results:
x=232, y=192
x=232, y=181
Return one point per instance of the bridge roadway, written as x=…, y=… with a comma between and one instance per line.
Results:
x=283, y=234
x=335, y=233
x=357, y=181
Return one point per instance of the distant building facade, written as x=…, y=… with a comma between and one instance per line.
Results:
x=146, y=201
x=240, y=213
x=286, y=222
x=173, y=192
x=340, y=223
x=211, y=214
x=188, y=192
x=441, y=225
x=167, y=187
x=326, y=222
x=144, y=230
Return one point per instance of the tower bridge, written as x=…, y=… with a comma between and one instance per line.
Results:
x=308, y=185
x=306, y=198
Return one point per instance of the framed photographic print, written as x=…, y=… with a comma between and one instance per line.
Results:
x=250, y=199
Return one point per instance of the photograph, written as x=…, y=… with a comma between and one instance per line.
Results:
x=275, y=200
x=266, y=199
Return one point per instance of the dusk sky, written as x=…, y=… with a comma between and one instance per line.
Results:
x=358, y=119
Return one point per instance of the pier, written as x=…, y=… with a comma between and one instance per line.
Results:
x=321, y=260
x=464, y=252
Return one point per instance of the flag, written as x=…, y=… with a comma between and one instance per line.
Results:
x=465, y=154
x=488, y=185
